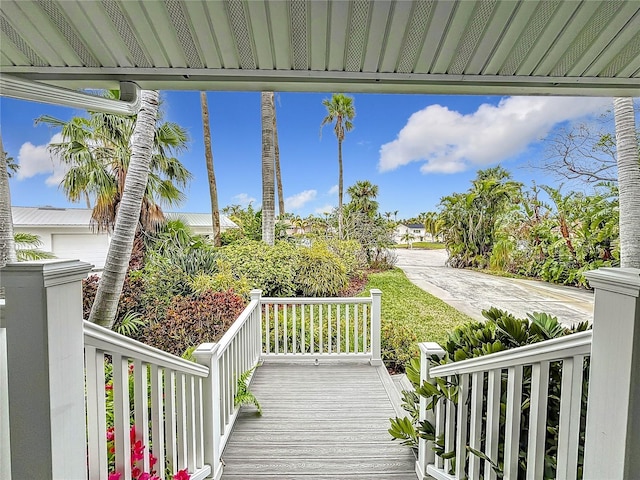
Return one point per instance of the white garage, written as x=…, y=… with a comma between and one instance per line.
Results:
x=89, y=247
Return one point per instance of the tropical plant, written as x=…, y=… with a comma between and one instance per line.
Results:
x=243, y=395
x=628, y=182
x=340, y=112
x=211, y=175
x=103, y=311
x=276, y=152
x=363, y=194
x=268, y=180
x=98, y=151
x=320, y=272
x=27, y=247
x=12, y=166
x=7, y=246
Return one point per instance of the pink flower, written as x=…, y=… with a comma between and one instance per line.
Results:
x=152, y=461
x=182, y=475
x=145, y=476
x=132, y=433
x=114, y=476
x=136, y=472
x=110, y=434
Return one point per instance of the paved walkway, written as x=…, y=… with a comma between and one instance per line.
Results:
x=471, y=292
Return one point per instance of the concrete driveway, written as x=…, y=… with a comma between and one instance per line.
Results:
x=471, y=292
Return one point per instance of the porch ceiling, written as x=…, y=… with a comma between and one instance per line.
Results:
x=428, y=46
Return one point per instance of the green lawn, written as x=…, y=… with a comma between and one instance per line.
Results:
x=422, y=245
x=409, y=316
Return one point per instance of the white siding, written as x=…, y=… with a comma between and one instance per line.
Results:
x=88, y=247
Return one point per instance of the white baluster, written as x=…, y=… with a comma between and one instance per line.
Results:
x=537, y=420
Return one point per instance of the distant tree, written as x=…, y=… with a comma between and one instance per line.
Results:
x=208, y=153
x=12, y=166
x=268, y=180
x=363, y=194
x=340, y=112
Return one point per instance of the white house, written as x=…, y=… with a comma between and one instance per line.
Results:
x=67, y=233
x=416, y=230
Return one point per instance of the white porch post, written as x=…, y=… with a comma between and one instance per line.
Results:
x=45, y=357
x=426, y=455
x=256, y=294
x=376, y=302
x=207, y=355
x=612, y=442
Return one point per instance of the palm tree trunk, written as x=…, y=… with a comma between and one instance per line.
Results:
x=268, y=181
x=208, y=153
x=277, y=158
x=340, y=188
x=7, y=245
x=628, y=182
x=103, y=311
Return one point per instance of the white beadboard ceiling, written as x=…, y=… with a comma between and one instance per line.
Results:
x=554, y=47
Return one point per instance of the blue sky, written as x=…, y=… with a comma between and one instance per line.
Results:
x=416, y=148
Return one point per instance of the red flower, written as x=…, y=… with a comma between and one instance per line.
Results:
x=114, y=476
x=108, y=386
x=110, y=434
x=182, y=475
x=136, y=472
x=152, y=461
x=132, y=434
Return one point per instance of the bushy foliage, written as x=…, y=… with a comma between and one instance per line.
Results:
x=193, y=320
x=270, y=268
x=320, y=273
x=501, y=331
x=349, y=252
x=129, y=303
x=222, y=280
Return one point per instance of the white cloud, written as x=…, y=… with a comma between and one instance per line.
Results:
x=36, y=159
x=243, y=199
x=299, y=200
x=325, y=209
x=333, y=190
x=448, y=141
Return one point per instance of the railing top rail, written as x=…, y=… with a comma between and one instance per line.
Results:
x=315, y=300
x=237, y=325
x=111, y=342
x=549, y=350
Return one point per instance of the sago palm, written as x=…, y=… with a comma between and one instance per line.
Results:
x=97, y=151
x=340, y=112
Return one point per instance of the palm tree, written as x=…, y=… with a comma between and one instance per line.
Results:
x=27, y=247
x=276, y=145
x=268, y=181
x=340, y=109
x=628, y=182
x=12, y=166
x=395, y=215
x=105, y=305
x=98, y=150
x=208, y=153
x=362, y=195
x=7, y=245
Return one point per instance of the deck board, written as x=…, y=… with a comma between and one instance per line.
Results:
x=325, y=422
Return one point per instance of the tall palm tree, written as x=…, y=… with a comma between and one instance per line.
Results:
x=105, y=305
x=628, y=182
x=98, y=149
x=340, y=111
x=268, y=180
x=12, y=166
x=208, y=154
x=276, y=145
x=7, y=245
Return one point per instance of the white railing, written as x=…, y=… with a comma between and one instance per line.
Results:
x=477, y=424
x=237, y=352
x=156, y=397
x=340, y=328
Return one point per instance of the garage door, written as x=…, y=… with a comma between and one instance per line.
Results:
x=89, y=247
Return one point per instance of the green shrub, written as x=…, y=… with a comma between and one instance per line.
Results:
x=191, y=321
x=349, y=251
x=270, y=268
x=320, y=272
x=223, y=280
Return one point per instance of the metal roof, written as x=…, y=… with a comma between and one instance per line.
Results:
x=584, y=47
x=81, y=217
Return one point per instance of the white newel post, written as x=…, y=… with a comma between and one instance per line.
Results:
x=207, y=355
x=426, y=455
x=612, y=445
x=45, y=357
x=376, y=299
x=256, y=294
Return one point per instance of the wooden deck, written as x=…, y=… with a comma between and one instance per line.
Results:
x=323, y=422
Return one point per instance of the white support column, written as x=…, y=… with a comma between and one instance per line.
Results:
x=426, y=455
x=45, y=356
x=613, y=412
x=207, y=355
x=376, y=302
x=256, y=294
